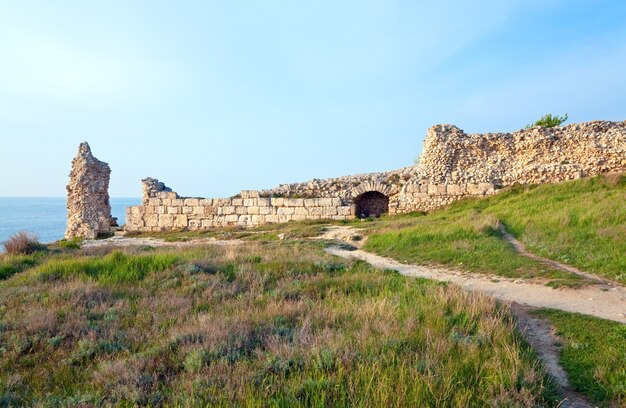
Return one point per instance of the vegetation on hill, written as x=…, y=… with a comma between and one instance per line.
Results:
x=259, y=323
x=581, y=223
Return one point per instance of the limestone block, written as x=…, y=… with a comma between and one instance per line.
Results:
x=284, y=218
x=285, y=210
x=194, y=225
x=257, y=219
x=473, y=189
x=263, y=202
x=298, y=217
x=166, y=201
x=186, y=209
x=329, y=211
x=154, y=201
x=310, y=202
x=441, y=189
x=485, y=187
x=433, y=189
x=180, y=221
x=241, y=210
x=151, y=220
x=174, y=210
x=301, y=211
x=265, y=210
x=278, y=201
x=205, y=202
x=210, y=210
x=453, y=189
x=207, y=223
x=316, y=211
x=228, y=210
x=249, y=202
x=172, y=195
x=345, y=210
x=335, y=202
x=271, y=218
x=166, y=220
x=149, y=209
x=244, y=220
x=178, y=202
x=249, y=194
x=325, y=202
x=231, y=218
x=198, y=210
x=162, y=194
x=253, y=210
x=237, y=202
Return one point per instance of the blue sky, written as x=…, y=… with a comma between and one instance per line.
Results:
x=217, y=96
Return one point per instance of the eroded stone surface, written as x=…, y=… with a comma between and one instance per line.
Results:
x=88, y=208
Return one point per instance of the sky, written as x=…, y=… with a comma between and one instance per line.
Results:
x=212, y=97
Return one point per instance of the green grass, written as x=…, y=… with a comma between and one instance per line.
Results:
x=12, y=264
x=581, y=223
x=256, y=324
x=594, y=355
x=114, y=268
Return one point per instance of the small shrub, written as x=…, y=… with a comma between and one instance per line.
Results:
x=549, y=121
x=73, y=243
x=22, y=243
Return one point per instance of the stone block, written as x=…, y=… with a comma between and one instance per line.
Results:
x=210, y=210
x=310, y=202
x=207, y=223
x=154, y=201
x=442, y=189
x=180, y=221
x=160, y=209
x=278, y=201
x=151, y=220
x=263, y=202
x=237, y=202
x=191, y=202
x=174, y=210
x=325, y=202
x=166, y=201
x=265, y=210
x=177, y=202
x=149, y=209
x=433, y=189
x=228, y=210
x=166, y=220
x=335, y=202
x=284, y=218
x=298, y=217
x=285, y=210
x=253, y=210
x=453, y=189
x=345, y=210
x=301, y=211
x=316, y=211
x=329, y=211
x=186, y=209
x=249, y=202
x=241, y=210
x=162, y=194
x=472, y=189
x=249, y=194
x=194, y=225
x=198, y=210
x=205, y=202
x=271, y=218
x=231, y=218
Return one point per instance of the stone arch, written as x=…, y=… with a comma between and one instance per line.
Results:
x=371, y=204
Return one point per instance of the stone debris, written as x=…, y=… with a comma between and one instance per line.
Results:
x=88, y=208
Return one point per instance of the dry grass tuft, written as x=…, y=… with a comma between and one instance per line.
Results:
x=22, y=243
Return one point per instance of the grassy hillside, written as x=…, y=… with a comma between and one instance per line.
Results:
x=581, y=223
x=271, y=323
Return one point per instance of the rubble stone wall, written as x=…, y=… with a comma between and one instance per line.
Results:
x=453, y=165
x=88, y=208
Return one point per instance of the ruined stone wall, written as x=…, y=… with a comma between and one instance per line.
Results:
x=453, y=165
x=88, y=208
x=167, y=211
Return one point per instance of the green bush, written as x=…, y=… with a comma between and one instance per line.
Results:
x=549, y=121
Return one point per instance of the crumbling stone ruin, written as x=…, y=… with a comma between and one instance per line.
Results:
x=453, y=165
x=88, y=208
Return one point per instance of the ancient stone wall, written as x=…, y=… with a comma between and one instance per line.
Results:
x=167, y=211
x=88, y=208
x=453, y=165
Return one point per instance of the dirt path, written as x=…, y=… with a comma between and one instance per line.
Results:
x=521, y=249
x=607, y=301
x=121, y=241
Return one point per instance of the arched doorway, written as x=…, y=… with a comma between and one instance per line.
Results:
x=371, y=204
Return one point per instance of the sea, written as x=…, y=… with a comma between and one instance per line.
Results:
x=45, y=216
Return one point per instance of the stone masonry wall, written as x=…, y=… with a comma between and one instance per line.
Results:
x=167, y=211
x=88, y=208
x=453, y=165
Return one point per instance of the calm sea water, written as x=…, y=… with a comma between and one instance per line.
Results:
x=45, y=217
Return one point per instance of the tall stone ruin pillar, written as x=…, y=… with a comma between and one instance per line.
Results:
x=88, y=208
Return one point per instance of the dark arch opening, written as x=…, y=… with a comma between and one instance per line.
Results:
x=371, y=204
